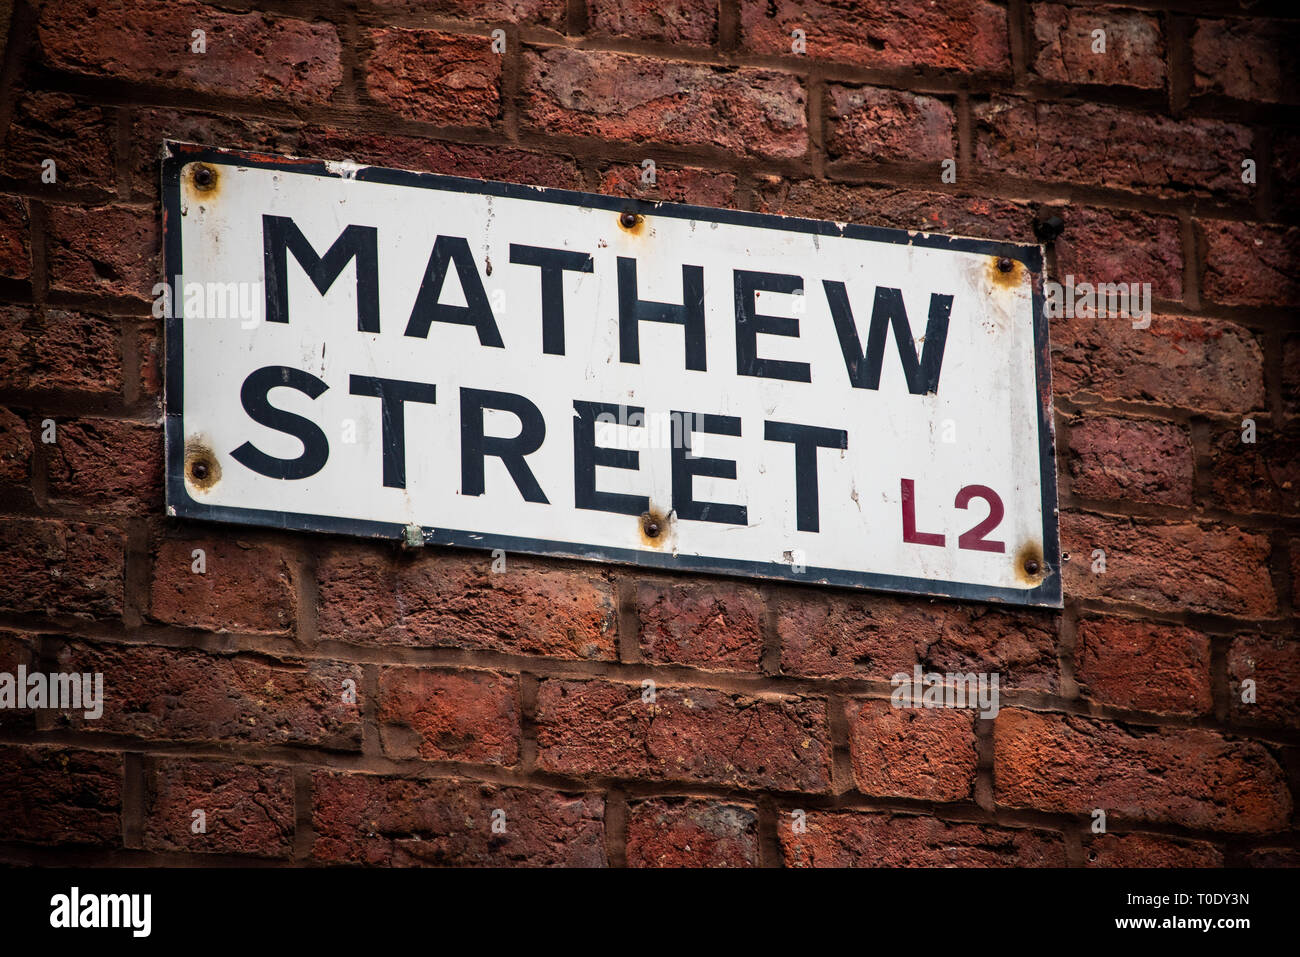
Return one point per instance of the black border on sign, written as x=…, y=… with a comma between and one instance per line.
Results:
x=1046, y=593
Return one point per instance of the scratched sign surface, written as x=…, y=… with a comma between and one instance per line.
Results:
x=448, y=361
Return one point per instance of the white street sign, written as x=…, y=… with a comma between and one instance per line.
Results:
x=449, y=361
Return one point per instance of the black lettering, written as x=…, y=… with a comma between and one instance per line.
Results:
x=315, y=446
x=453, y=250
x=633, y=310
x=553, y=263
x=888, y=310
x=475, y=446
x=587, y=455
x=749, y=323
x=281, y=235
x=686, y=466
x=807, y=440
x=393, y=394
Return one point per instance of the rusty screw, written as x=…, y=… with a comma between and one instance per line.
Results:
x=199, y=470
x=204, y=177
x=652, y=529
x=1005, y=264
x=628, y=220
x=1031, y=567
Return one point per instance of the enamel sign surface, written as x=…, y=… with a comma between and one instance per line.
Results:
x=446, y=361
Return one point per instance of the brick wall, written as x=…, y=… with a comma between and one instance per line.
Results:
x=521, y=693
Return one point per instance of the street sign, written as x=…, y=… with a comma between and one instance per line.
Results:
x=449, y=361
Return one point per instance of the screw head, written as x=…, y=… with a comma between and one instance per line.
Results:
x=1048, y=224
x=1031, y=567
x=1005, y=264
x=204, y=177
x=199, y=470
x=629, y=220
x=652, y=529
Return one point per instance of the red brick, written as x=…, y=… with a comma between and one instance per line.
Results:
x=16, y=650
x=714, y=625
x=1133, y=460
x=1244, y=59
x=106, y=464
x=1273, y=857
x=1143, y=665
x=610, y=96
x=15, y=450
x=61, y=568
x=246, y=587
x=700, y=187
x=1263, y=476
x=148, y=359
x=1286, y=174
x=442, y=715
x=149, y=127
x=1250, y=265
x=15, y=247
x=60, y=796
x=1191, y=777
x=1062, y=46
x=455, y=159
x=1106, y=146
x=76, y=135
x=962, y=35
x=546, y=13
x=451, y=600
x=1121, y=246
x=675, y=832
x=1178, y=566
x=1290, y=376
x=113, y=250
x=896, y=207
x=775, y=742
x=1273, y=663
x=1148, y=850
x=863, y=839
x=1178, y=361
x=183, y=695
x=680, y=22
x=364, y=819
x=874, y=637
x=444, y=78
x=922, y=753
x=148, y=41
x=247, y=809
x=865, y=123
x=59, y=351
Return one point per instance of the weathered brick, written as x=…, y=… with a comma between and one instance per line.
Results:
x=1290, y=376
x=866, y=839
x=113, y=250
x=1063, y=44
x=244, y=587
x=15, y=245
x=15, y=450
x=1133, y=460
x=875, y=637
x=1244, y=58
x=1121, y=246
x=546, y=13
x=611, y=96
x=432, y=156
x=676, y=832
x=364, y=819
x=61, y=568
x=148, y=360
x=16, y=650
x=1191, y=777
x=1111, y=147
x=182, y=695
x=1143, y=665
x=149, y=127
x=445, y=78
x=148, y=41
x=248, y=809
x=1184, y=362
x=1216, y=569
x=700, y=187
x=106, y=464
x=714, y=625
x=693, y=22
x=77, y=135
x=1149, y=850
x=1273, y=857
x=60, y=351
x=441, y=715
x=450, y=600
x=60, y=796
x=963, y=35
x=1273, y=663
x=896, y=207
x=1247, y=264
x=686, y=734
x=922, y=753
x=866, y=123
x=1259, y=476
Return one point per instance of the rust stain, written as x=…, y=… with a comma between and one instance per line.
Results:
x=202, y=470
x=654, y=528
x=632, y=224
x=203, y=180
x=1030, y=567
x=1005, y=272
